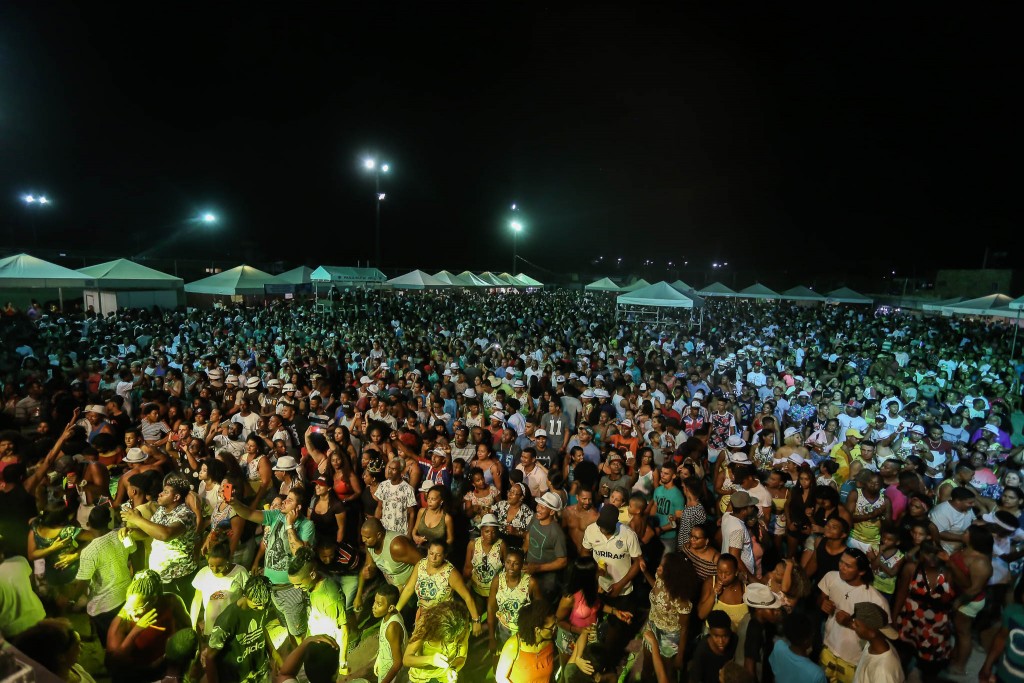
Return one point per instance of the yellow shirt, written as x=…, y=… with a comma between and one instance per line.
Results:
x=455, y=653
x=840, y=456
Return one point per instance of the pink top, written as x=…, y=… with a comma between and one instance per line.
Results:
x=582, y=614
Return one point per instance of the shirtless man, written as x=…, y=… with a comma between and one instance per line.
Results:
x=576, y=518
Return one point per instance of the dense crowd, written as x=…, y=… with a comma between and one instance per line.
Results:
x=514, y=487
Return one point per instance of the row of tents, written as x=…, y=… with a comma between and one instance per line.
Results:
x=122, y=283
x=249, y=281
x=642, y=288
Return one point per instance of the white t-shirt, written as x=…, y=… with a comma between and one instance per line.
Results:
x=947, y=518
x=616, y=552
x=208, y=584
x=735, y=535
x=883, y=668
x=764, y=499
x=843, y=641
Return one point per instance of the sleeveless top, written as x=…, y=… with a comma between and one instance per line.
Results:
x=396, y=573
x=433, y=589
x=385, y=657
x=868, y=531
x=439, y=532
x=764, y=457
x=58, y=577
x=705, y=569
x=735, y=612
x=485, y=566
x=511, y=600
x=827, y=562
x=884, y=583
x=582, y=614
x=341, y=487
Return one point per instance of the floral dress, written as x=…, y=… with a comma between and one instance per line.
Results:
x=432, y=589
x=926, y=620
x=486, y=566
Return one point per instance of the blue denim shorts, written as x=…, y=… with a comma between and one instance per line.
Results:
x=668, y=641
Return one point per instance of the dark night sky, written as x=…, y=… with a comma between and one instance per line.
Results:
x=824, y=143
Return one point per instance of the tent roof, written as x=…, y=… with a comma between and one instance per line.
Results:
x=22, y=270
x=681, y=286
x=845, y=295
x=514, y=279
x=660, y=294
x=417, y=279
x=938, y=305
x=239, y=280
x=449, y=278
x=494, y=280
x=530, y=282
x=1017, y=303
x=602, y=285
x=801, y=293
x=758, y=291
x=341, y=274
x=295, y=276
x=639, y=284
x=983, y=305
x=125, y=273
x=470, y=280
x=717, y=289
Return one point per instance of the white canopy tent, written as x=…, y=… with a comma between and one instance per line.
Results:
x=295, y=276
x=639, y=284
x=450, y=279
x=997, y=305
x=126, y=284
x=347, y=275
x=758, y=291
x=845, y=295
x=603, y=285
x=660, y=294
x=801, y=293
x=239, y=281
x=24, y=277
x=529, y=281
x=417, y=279
x=937, y=306
x=495, y=280
x=660, y=303
x=514, y=279
x=717, y=289
x=1017, y=304
x=682, y=286
x=468, y=279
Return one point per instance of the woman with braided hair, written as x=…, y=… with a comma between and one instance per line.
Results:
x=138, y=635
x=239, y=649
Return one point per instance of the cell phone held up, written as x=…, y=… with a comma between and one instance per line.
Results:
x=227, y=491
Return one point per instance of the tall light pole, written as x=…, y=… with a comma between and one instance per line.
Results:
x=372, y=165
x=517, y=227
x=32, y=201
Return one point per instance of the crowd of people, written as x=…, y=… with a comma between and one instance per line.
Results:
x=511, y=487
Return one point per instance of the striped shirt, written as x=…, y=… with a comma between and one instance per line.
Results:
x=104, y=563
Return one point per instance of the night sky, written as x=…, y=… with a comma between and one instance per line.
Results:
x=806, y=143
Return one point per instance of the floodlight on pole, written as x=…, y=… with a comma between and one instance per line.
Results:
x=209, y=218
x=377, y=169
x=32, y=200
x=517, y=227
